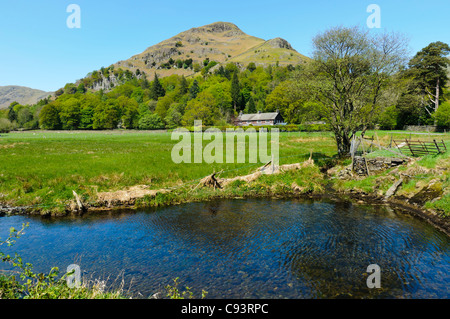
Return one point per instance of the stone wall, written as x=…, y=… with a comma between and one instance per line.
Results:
x=375, y=165
x=423, y=128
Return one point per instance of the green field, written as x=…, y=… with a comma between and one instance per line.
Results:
x=42, y=168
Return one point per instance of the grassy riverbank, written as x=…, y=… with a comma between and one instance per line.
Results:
x=41, y=169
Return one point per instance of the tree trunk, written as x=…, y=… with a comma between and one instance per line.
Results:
x=436, y=102
x=343, y=143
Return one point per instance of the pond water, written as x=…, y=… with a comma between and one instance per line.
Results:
x=246, y=249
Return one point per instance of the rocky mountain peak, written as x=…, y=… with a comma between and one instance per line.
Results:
x=228, y=28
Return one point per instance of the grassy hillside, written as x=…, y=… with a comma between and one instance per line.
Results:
x=273, y=51
x=221, y=42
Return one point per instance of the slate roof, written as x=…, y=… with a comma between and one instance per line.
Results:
x=258, y=117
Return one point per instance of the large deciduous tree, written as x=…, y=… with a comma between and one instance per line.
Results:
x=349, y=73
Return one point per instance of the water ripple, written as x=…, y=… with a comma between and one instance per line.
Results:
x=250, y=249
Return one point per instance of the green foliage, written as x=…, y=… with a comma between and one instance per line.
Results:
x=388, y=119
x=151, y=121
x=194, y=90
x=5, y=125
x=24, y=116
x=202, y=108
x=251, y=66
x=351, y=71
x=49, y=118
x=235, y=91
x=173, y=292
x=70, y=88
x=69, y=114
x=12, y=116
x=441, y=205
x=442, y=115
x=77, y=107
x=430, y=65
x=174, y=115
x=163, y=105
x=251, y=107
x=156, y=89
x=106, y=116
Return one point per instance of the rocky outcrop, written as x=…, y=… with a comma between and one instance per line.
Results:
x=279, y=43
x=218, y=27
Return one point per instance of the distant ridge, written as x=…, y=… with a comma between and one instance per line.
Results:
x=20, y=94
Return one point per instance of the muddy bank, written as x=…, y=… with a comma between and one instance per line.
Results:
x=355, y=197
x=362, y=198
x=10, y=210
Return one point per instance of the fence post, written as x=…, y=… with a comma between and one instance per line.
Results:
x=409, y=146
x=437, y=146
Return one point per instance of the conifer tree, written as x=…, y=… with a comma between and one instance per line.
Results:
x=429, y=67
x=156, y=90
x=194, y=90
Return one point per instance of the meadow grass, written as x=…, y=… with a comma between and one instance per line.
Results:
x=41, y=168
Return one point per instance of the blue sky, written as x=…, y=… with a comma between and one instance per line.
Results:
x=38, y=50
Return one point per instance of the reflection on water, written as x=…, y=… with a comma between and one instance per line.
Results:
x=248, y=249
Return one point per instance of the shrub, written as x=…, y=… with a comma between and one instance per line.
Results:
x=443, y=115
x=388, y=119
x=5, y=126
x=151, y=121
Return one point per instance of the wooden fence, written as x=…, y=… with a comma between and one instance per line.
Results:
x=421, y=148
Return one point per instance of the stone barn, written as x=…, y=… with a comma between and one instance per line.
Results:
x=258, y=119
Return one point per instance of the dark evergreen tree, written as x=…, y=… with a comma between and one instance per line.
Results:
x=156, y=90
x=12, y=116
x=220, y=71
x=251, y=107
x=184, y=86
x=194, y=90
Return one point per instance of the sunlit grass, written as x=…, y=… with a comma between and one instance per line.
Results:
x=43, y=168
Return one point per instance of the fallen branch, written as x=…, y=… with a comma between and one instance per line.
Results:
x=391, y=191
x=209, y=181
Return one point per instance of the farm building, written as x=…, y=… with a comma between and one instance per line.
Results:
x=259, y=118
